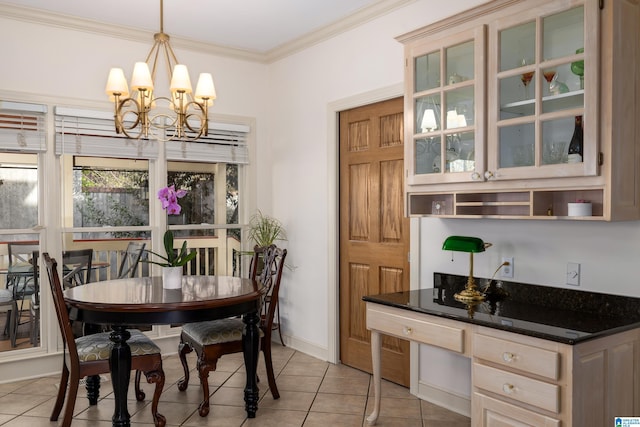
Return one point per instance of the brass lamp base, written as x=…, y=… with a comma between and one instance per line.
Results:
x=469, y=295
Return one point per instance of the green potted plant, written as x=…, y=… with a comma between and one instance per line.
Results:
x=265, y=230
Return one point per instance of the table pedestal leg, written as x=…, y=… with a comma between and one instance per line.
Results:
x=377, y=380
x=93, y=382
x=250, y=349
x=120, y=359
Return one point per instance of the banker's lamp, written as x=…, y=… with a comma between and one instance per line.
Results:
x=472, y=245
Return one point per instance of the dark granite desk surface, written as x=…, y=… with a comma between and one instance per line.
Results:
x=563, y=315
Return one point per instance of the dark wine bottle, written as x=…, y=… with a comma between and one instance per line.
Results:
x=575, y=146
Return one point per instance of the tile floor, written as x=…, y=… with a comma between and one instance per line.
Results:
x=312, y=393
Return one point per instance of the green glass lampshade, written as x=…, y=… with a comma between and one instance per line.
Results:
x=464, y=244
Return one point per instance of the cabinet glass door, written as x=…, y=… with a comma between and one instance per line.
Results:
x=538, y=90
x=447, y=84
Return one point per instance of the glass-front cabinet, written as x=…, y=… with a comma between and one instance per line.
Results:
x=537, y=86
x=494, y=97
x=447, y=131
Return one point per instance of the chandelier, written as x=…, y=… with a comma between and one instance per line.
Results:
x=182, y=116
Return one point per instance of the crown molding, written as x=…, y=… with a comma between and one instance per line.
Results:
x=356, y=19
x=59, y=20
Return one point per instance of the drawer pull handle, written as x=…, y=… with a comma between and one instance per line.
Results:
x=508, y=388
x=508, y=357
x=407, y=330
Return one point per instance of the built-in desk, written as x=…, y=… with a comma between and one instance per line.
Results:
x=542, y=356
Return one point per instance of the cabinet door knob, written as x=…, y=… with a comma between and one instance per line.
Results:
x=508, y=388
x=489, y=175
x=407, y=330
x=508, y=357
x=476, y=176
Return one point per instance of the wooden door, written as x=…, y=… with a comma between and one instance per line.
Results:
x=374, y=234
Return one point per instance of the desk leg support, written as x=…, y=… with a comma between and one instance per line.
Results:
x=377, y=380
x=120, y=374
x=250, y=349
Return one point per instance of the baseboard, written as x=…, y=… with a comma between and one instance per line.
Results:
x=303, y=346
x=446, y=399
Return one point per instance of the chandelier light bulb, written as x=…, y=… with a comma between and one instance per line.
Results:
x=117, y=84
x=452, y=119
x=141, y=79
x=180, y=81
x=205, y=89
x=429, y=121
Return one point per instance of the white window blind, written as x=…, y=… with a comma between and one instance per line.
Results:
x=23, y=127
x=92, y=133
x=225, y=143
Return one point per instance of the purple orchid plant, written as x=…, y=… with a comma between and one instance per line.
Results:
x=169, y=198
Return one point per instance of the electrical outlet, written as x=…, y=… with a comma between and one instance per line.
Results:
x=573, y=273
x=507, y=270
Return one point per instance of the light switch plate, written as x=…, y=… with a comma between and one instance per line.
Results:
x=573, y=273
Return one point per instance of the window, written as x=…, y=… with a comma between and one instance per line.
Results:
x=110, y=193
x=18, y=191
x=209, y=217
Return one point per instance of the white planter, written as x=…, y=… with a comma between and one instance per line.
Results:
x=172, y=277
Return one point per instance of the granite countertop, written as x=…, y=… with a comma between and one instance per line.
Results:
x=563, y=315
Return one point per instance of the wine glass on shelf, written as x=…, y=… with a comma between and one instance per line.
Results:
x=549, y=74
x=526, y=77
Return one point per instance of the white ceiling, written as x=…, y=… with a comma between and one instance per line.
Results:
x=258, y=26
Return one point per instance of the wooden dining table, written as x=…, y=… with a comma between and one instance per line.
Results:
x=128, y=302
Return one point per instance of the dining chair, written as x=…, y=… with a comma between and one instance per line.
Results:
x=215, y=338
x=89, y=356
x=255, y=268
x=76, y=267
x=19, y=274
x=10, y=307
x=130, y=259
x=34, y=306
x=21, y=281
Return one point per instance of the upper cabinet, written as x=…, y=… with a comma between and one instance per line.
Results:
x=492, y=98
x=543, y=73
x=446, y=103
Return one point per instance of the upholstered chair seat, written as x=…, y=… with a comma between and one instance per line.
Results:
x=98, y=346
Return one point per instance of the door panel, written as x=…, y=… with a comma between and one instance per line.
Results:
x=374, y=234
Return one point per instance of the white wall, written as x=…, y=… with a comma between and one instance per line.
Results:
x=607, y=252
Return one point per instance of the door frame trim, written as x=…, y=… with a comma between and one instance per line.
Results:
x=333, y=219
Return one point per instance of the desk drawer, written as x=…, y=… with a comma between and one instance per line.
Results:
x=496, y=413
x=519, y=356
x=415, y=327
x=526, y=390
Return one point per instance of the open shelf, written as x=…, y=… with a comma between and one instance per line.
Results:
x=529, y=204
